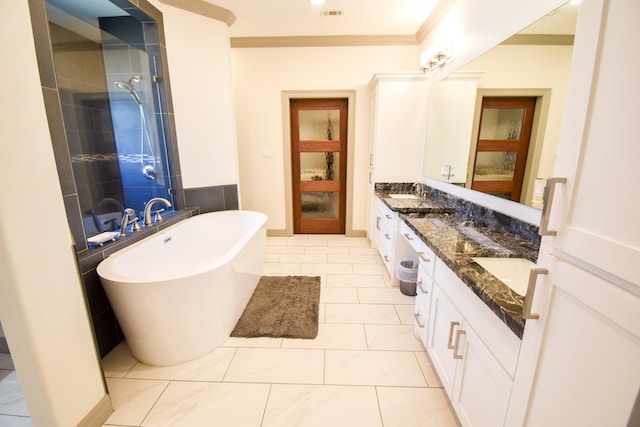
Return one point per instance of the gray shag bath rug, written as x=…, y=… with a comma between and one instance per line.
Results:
x=281, y=307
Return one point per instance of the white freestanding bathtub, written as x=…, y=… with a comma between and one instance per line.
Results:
x=179, y=293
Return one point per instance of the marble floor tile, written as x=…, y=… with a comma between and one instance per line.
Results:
x=118, y=362
x=11, y=398
x=390, y=368
x=352, y=242
x=356, y=280
x=210, y=367
x=339, y=295
x=271, y=258
x=361, y=313
x=351, y=259
x=257, y=342
x=424, y=407
x=384, y=296
x=201, y=404
x=363, y=250
x=405, y=313
x=392, y=337
x=428, y=370
x=280, y=268
x=292, y=366
x=132, y=399
x=321, y=406
x=369, y=269
x=303, y=258
x=278, y=250
x=334, y=336
x=326, y=269
x=326, y=250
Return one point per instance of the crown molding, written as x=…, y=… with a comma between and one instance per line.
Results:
x=322, y=41
x=540, y=39
x=432, y=20
x=203, y=8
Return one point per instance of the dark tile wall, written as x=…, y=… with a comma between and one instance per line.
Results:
x=215, y=198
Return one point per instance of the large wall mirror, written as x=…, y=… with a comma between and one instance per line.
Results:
x=494, y=124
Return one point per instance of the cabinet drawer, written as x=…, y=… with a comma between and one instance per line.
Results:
x=425, y=254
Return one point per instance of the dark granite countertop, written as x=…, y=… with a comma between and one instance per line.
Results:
x=419, y=205
x=456, y=241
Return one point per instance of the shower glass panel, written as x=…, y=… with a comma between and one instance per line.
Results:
x=106, y=64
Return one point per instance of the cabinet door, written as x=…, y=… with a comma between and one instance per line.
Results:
x=445, y=320
x=595, y=211
x=482, y=388
x=587, y=360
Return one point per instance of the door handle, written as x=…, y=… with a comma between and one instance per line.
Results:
x=455, y=347
x=451, y=326
x=531, y=287
x=549, y=192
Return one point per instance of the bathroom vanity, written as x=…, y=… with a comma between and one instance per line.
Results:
x=468, y=318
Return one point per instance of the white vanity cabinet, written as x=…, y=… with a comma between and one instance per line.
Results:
x=473, y=352
x=385, y=225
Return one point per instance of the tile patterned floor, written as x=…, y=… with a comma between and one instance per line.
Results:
x=365, y=368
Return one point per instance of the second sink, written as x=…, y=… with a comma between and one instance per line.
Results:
x=513, y=272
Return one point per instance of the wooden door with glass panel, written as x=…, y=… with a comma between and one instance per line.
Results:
x=503, y=144
x=319, y=159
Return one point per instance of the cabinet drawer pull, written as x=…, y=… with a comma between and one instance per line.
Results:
x=408, y=236
x=387, y=237
x=386, y=258
x=423, y=257
x=378, y=223
x=449, y=341
x=417, y=317
x=370, y=177
x=423, y=290
x=455, y=347
x=546, y=207
x=388, y=216
x=531, y=288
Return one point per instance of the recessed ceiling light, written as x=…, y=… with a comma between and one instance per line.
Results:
x=316, y=2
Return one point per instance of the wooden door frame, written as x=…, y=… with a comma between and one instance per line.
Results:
x=350, y=95
x=536, y=140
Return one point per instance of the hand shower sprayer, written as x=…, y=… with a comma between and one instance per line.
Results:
x=148, y=171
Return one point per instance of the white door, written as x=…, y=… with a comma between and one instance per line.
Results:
x=588, y=373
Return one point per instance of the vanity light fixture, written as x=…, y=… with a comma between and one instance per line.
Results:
x=432, y=59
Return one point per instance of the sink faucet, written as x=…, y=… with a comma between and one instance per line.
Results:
x=147, y=209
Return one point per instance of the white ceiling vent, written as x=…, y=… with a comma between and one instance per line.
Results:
x=332, y=13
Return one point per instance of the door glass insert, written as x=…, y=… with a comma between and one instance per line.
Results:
x=501, y=123
x=320, y=204
x=320, y=166
x=319, y=125
x=495, y=165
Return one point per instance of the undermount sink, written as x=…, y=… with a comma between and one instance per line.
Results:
x=513, y=272
x=403, y=196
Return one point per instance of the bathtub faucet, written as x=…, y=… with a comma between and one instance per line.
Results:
x=147, y=210
x=129, y=217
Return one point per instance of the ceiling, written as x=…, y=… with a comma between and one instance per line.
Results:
x=268, y=18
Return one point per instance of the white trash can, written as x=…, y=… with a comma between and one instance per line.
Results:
x=407, y=276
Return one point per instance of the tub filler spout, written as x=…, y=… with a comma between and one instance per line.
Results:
x=147, y=210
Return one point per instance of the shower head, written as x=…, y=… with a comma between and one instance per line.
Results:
x=128, y=86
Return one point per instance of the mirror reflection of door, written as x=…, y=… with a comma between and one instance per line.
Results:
x=503, y=144
x=319, y=165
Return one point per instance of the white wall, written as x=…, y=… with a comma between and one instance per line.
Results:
x=199, y=65
x=42, y=308
x=259, y=78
